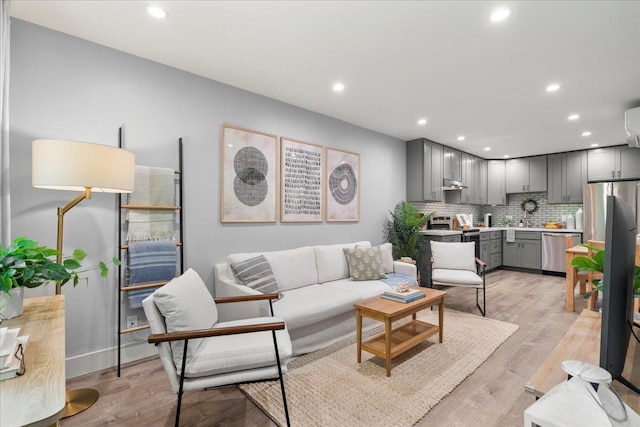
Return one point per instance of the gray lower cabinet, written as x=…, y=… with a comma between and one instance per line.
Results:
x=424, y=265
x=524, y=252
x=491, y=249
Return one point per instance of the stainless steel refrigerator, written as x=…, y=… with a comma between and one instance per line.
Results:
x=595, y=205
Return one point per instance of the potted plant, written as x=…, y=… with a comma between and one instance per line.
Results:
x=26, y=264
x=595, y=263
x=403, y=230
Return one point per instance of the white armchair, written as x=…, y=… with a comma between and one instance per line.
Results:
x=455, y=264
x=198, y=352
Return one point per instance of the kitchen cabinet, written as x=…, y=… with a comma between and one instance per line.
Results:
x=567, y=173
x=524, y=252
x=528, y=174
x=469, y=178
x=613, y=163
x=491, y=249
x=496, y=190
x=480, y=195
x=452, y=164
x=424, y=171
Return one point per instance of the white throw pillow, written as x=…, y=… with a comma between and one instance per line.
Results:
x=186, y=305
x=331, y=261
x=454, y=256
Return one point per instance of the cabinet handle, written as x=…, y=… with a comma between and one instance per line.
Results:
x=568, y=197
x=528, y=187
x=613, y=174
x=618, y=174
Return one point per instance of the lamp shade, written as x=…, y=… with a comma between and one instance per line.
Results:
x=74, y=165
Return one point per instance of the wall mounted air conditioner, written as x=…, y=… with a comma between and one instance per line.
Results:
x=632, y=126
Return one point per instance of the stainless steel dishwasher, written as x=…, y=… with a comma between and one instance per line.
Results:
x=554, y=246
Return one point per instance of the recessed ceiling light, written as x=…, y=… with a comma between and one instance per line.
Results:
x=157, y=12
x=573, y=117
x=500, y=14
x=506, y=156
x=587, y=133
x=553, y=87
x=461, y=138
x=487, y=148
x=422, y=122
x=595, y=145
x=338, y=87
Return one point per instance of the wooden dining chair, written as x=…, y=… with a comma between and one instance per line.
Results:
x=591, y=302
x=582, y=275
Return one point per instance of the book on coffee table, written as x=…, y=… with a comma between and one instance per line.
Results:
x=408, y=296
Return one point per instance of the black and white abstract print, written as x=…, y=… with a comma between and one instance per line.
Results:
x=301, y=181
x=343, y=185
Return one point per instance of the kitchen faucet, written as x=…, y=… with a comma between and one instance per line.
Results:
x=526, y=219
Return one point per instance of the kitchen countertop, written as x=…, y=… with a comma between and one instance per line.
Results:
x=442, y=232
x=549, y=230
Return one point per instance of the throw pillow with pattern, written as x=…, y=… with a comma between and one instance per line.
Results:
x=365, y=263
x=256, y=273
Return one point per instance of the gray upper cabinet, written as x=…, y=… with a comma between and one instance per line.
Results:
x=613, y=163
x=496, y=191
x=424, y=171
x=526, y=175
x=452, y=162
x=480, y=195
x=468, y=173
x=567, y=173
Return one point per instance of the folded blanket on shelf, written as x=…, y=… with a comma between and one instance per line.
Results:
x=148, y=262
x=154, y=187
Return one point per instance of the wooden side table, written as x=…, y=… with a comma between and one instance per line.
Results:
x=405, y=336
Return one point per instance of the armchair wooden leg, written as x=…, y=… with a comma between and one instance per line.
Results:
x=482, y=309
x=284, y=396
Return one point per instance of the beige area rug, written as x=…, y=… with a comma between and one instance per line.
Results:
x=329, y=388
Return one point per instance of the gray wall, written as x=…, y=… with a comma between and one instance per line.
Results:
x=67, y=88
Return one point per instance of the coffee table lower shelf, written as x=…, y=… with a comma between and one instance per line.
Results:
x=403, y=338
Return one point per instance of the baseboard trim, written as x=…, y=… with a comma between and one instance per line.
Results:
x=107, y=358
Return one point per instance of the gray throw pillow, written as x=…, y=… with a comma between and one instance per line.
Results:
x=256, y=273
x=365, y=263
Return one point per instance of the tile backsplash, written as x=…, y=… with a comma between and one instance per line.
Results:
x=545, y=212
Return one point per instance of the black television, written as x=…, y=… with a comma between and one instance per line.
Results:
x=617, y=299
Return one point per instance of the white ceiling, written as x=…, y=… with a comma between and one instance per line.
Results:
x=399, y=60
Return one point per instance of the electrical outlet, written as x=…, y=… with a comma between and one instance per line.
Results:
x=132, y=321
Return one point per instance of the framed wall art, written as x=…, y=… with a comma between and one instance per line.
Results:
x=249, y=176
x=301, y=181
x=343, y=185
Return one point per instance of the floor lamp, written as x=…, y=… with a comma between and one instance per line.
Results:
x=85, y=167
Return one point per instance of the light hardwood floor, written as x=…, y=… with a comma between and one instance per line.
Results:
x=491, y=396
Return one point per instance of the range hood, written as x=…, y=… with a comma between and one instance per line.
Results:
x=452, y=184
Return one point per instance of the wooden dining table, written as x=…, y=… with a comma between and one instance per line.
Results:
x=572, y=274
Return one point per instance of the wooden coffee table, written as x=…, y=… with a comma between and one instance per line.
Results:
x=393, y=342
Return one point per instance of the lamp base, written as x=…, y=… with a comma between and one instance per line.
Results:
x=78, y=400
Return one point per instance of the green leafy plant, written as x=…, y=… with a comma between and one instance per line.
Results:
x=595, y=263
x=506, y=222
x=25, y=263
x=403, y=230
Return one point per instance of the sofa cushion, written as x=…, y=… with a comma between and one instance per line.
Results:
x=454, y=256
x=186, y=305
x=331, y=261
x=230, y=353
x=459, y=277
x=312, y=304
x=256, y=273
x=365, y=263
x=386, y=253
x=361, y=289
x=292, y=268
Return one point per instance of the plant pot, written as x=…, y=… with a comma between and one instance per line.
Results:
x=11, y=303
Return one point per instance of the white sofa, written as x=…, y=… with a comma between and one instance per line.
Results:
x=318, y=294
